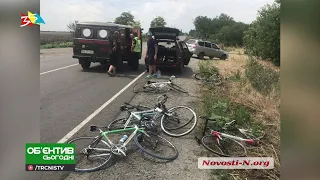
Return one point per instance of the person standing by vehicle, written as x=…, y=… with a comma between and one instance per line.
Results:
x=115, y=55
x=151, y=55
x=136, y=50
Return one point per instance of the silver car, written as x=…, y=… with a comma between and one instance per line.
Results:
x=206, y=48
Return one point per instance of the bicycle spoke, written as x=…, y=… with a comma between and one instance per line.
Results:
x=178, y=121
x=156, y=146
x=226, y=147
x=91, y=153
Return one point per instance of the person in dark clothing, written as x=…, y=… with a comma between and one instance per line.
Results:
x=151, y=55
x=115, y=55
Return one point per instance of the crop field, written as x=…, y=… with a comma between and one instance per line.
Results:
x=52, y=36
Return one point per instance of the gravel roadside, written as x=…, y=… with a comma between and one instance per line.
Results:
x=139, y=166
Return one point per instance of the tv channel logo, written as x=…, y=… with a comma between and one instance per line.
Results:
x=31, y=19
x=50, y=157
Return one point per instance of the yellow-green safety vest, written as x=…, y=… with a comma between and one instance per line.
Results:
x=137, y=48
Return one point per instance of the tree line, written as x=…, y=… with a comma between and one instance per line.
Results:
x=261, y=38
x=221, y=29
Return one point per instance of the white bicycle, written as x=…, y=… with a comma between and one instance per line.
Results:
x=156, y=87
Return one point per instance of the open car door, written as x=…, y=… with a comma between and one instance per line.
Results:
x=187, y=53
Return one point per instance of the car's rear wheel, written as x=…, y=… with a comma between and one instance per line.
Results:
x=201, y=55
x=223, y=57
x=85, y=64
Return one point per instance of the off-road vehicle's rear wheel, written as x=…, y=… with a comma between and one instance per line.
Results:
x=85, y=64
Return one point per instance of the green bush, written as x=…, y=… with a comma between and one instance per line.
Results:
x=262, y=39
x=262, y=78
x=56, y=45
x=205, y=66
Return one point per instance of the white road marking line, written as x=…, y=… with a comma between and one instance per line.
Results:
x=89, y=118
x=58, y=69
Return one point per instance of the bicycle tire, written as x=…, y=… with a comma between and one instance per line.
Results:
x=154, y=136
x=220, y=152
x=178, y=88
x=166, y=130
x=140, y=87
x=200, y=75
x=93, y=140
x=208, y=77
x=119, y=123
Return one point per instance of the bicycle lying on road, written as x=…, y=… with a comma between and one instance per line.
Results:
x=209, y=78
x=100, y=149
x=172, y=122
x=157, y=87
x=226, y=145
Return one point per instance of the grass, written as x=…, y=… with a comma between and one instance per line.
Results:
x=243, y=98
x=262, y=78
x=56, y=45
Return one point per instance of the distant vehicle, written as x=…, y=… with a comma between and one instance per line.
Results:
x=206, y=48
x=92, y=43
x=172, y=52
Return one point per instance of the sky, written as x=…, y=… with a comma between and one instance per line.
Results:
x=177, y=13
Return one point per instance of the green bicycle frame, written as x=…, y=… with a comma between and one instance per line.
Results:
x=134, y=129
x=136, y=115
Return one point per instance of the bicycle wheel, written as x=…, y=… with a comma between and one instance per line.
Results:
x=156, y=146
x=203, y=75
x=91, y=153
x=178, y=121
x=118, y=124
x=206, y=77
x=227, y=148
x=141, y=87
x=178, y=88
